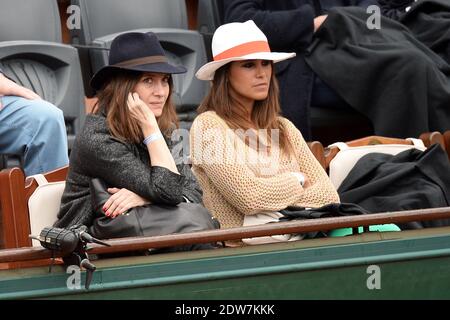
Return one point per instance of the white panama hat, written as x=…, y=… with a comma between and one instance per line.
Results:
x=239, y=41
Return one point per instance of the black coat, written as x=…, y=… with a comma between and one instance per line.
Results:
x=97, y=154
x=394, y=9
x=409, y=180
x=429, y=21
x=401, y=85
x=289, y=27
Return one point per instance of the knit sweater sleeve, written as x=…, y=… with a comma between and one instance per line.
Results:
x=321, y=191
x=213, y=150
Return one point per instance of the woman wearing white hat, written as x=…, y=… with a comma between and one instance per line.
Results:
x=247, y=158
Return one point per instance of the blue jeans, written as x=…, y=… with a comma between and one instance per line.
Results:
x=35, y=130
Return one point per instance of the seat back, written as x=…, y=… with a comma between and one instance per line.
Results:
x=28, y=205
x=101, y=18
x=32, y=55
x=209, y=18
x=346, y=155
x=30, y=20
x=43, y=204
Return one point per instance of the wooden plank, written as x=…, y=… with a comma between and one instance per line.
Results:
x=15, y=223
x=330, y=153
x=14, y=195
x=437, y=137
x=301, y=226
x=318, y=151
x=374, y=140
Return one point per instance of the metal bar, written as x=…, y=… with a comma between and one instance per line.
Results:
x=298, y=226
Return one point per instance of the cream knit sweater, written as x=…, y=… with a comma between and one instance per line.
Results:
x=238, y=180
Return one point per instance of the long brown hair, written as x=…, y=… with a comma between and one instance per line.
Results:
x=112, y=98
x=264, y=114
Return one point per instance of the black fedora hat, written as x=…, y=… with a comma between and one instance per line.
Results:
x=134, y=51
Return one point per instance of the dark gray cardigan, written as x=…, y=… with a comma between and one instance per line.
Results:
x=97, y=154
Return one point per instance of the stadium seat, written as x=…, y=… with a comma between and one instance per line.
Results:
x=31, y=54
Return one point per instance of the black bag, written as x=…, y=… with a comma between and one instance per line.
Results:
x=149, y=220
x=326, y=211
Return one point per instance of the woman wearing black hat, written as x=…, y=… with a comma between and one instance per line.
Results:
x=126, y=141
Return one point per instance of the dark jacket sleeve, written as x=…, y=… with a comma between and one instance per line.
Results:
x=119, y=165
x=394, y=9
x=285, y=29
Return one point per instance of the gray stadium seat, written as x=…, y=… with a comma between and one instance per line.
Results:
x=103, y=20
x=209, y=18
x=210, y=15
x=31, y=54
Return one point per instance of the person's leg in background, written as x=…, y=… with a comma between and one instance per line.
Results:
x=36, y=130
x=325, y=97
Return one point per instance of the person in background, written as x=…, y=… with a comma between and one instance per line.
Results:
x=32, y=128
x=339, y=59
x=290, y=26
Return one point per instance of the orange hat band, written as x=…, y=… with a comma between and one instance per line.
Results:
x=243, y=49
